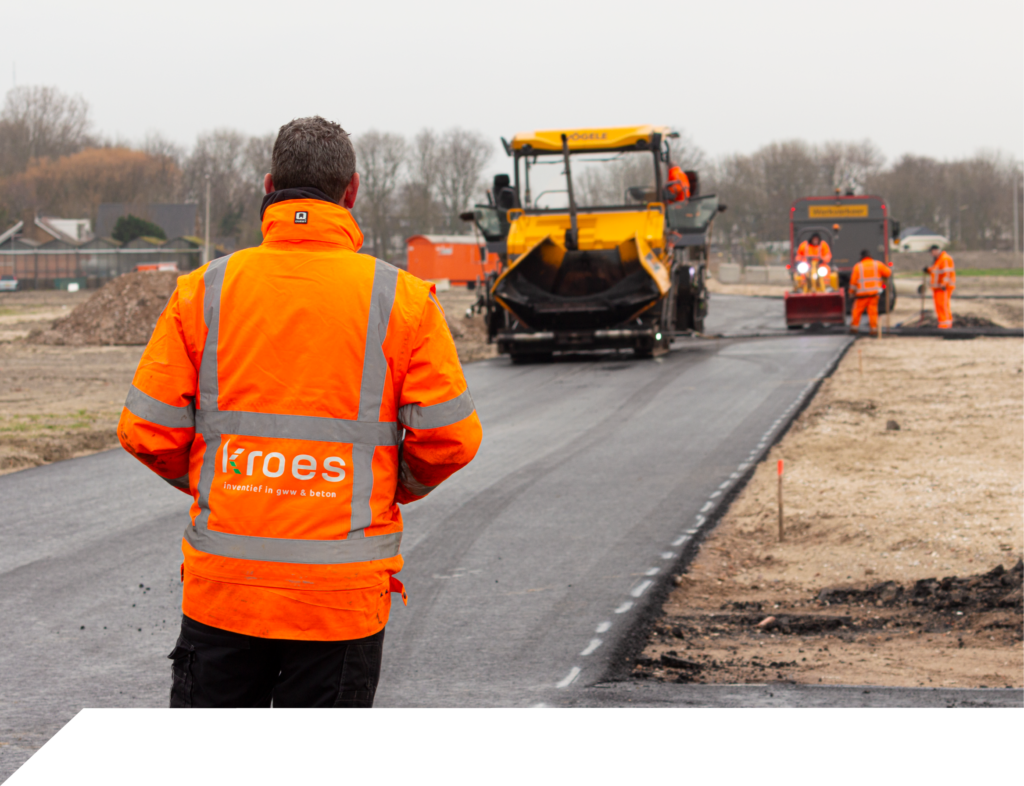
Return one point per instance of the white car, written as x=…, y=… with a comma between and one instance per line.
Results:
x=921, y=242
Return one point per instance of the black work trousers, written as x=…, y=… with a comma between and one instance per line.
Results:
x=218, y=668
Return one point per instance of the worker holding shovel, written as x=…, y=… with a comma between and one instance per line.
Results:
x=866, y=284
x=943, y=282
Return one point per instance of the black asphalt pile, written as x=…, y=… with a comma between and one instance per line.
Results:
x=999, y=588
x=782, y=639
x=124, y=311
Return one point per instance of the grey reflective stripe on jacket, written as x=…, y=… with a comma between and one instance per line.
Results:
x=437, y=415
x=148, y=408
x=407, y=479
x=365, y=434
x=179, y=483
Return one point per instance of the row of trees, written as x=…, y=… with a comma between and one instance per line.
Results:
x=52, y=163
x=971, y=199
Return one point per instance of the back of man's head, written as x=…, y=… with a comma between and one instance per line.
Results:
x=312, y=152
x=865, y=254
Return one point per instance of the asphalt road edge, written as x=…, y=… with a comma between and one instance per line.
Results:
x=623, y=657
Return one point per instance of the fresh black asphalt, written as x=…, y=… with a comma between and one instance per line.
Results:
x=551, y=544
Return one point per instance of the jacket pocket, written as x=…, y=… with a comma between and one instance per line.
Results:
x=183, y=658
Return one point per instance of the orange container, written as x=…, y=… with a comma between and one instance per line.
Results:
x=454, y=257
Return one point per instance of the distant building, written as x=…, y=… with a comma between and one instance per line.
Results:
x=77, y=230
x=920, y=239
x=174, y=220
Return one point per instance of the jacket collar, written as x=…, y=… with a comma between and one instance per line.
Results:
x=307, y=214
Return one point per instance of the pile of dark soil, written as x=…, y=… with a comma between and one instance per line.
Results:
x=122, y=312
x=999, y=588
x=777, y=639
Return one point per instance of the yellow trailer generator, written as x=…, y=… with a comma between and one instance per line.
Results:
x=599, y=251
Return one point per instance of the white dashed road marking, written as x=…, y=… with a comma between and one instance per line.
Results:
x=594, y=644
x=569, y=678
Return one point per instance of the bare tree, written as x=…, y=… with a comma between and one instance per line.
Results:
x=75, y=185
x=41, y=122
x=155, y=144
x=686, y=154
x=849, y=165
x=462, y=156
x=603, y=182
x=421, y=213
x=236, y=164
x=380, y=160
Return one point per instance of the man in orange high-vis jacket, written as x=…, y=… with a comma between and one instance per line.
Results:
x=867, y=281
x=678, y=184
x=943, y=282
x=297, y=391
x=815, y=252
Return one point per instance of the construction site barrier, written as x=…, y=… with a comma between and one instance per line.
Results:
x=89, y=268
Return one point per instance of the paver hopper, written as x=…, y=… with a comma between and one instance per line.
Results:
x=620, y=265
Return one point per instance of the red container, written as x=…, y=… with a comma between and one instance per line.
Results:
x=827, y=308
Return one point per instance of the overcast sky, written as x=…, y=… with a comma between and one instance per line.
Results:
x=943, y=79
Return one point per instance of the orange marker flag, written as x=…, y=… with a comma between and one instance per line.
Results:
x=780, y=500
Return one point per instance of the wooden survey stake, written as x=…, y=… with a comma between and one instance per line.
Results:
x=780, y=500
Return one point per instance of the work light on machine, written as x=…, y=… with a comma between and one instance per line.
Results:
x=822, y=272
x=802, y=267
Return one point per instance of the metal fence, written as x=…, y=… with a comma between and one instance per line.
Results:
x=89, y=268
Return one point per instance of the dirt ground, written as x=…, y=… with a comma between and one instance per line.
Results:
x=470, y=333
x=897, y=480
x=62, y=401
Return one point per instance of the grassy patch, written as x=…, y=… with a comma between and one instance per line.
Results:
x=35, y=423
x=997, y=271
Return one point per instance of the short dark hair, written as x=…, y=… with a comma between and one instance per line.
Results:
x=864, y=253
x=934, y=248
x=815, y=235
x=314, y=153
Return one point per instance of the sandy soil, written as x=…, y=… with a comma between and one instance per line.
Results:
x=22, y=312
x=58, y=402
x=470, y=333
x=868, y=503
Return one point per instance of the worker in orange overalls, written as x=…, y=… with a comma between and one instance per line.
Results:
x=943, y=283
x=815, y=254
x=678, y=184
x=298, y=392
x=867, y=282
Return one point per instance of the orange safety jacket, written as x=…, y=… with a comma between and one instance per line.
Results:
x=298, y=391
x=805, y=252
x=680, y=188
x=943, y=273
x=867, y=278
